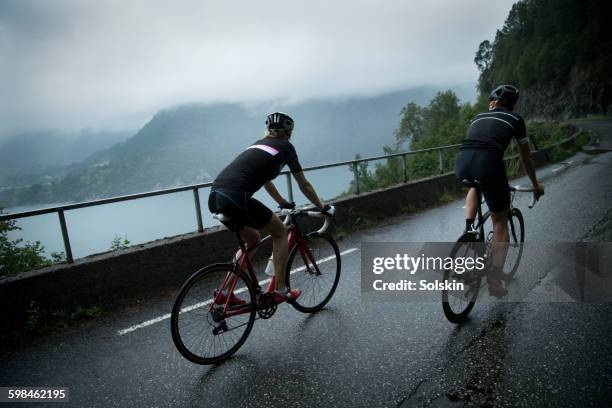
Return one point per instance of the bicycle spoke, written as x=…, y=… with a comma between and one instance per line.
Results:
x=315, y=271
x=200, y=331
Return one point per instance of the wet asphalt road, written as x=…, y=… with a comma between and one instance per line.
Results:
x=355, y=353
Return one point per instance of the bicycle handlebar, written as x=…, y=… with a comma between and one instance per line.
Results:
x=536, y=193
x=315, y=214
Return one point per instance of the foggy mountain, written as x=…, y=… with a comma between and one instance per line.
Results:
x=192, y=143
x=25, y=156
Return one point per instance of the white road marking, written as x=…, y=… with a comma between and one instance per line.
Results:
x=201, y=304
x=564, y=165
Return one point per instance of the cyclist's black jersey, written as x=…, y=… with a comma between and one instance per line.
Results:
x=493, y=130
x=258, y=164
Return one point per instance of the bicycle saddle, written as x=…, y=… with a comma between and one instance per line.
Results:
x=471, y=182
x=227, y=221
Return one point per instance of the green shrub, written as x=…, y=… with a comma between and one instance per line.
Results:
x=119, y=243
x=19, y=256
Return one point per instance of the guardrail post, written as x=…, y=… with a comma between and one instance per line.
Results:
x=196, y=199
x=289, y=187
x=356, y=174
x=405, y=168
x=440, y=161
x=67, y=247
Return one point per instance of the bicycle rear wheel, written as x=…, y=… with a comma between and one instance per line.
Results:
x=516, y=232
x=314, y=267
x=457, y=304
x=200, y=330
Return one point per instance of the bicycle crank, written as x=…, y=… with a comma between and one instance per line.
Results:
x=266, y=307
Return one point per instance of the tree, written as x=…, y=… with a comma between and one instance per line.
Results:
x=366, y=182
x=548, y=63
x=484, y=56
x=411, y=124
x=438, y=117
x=16, y=256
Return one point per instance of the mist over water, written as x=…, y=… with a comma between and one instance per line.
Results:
x=91, y=230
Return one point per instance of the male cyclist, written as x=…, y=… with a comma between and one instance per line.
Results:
x=481, y=157
x=256, y=167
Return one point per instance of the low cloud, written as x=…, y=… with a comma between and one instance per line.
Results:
x=113, y=64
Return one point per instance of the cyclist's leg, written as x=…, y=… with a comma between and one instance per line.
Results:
x=464, y=168
x=280, y=249
x=261, y=217
x=497, y=196
x=225, y=202
x=251, y=237
x=500, y=237
x=499, y=251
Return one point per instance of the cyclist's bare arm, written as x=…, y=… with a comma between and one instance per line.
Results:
x=528, y=164
x=307, y=189
x=271, y=189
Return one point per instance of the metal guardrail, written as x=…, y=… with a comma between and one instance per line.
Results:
x=60, y=210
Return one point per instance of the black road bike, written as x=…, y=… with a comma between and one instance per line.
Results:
x=457, y=304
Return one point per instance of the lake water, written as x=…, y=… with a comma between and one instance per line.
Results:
x=92, y=229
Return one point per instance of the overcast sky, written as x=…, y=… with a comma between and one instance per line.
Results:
x=113, y=64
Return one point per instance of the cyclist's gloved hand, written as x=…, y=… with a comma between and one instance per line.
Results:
x=287, y=205
x=329, y=211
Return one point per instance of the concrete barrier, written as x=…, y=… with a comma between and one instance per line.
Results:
x=114, y=277
x=161, y=266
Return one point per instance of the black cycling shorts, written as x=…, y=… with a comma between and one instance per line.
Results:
x=488, y=167
x=240, y=207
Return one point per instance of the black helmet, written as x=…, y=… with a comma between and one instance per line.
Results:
x=279, y=121
x=507, y=94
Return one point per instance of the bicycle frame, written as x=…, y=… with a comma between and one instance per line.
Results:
x=479, y=214
x=295, y=238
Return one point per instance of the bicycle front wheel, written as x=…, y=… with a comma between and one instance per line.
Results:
x=204, y=329
x=457, y=304
x=516, y=232
x=314, y=267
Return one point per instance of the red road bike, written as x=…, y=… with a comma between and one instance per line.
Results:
x=218, y=305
